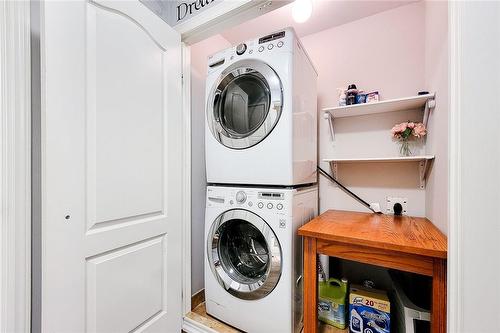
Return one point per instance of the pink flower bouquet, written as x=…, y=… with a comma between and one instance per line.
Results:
x=404, y=132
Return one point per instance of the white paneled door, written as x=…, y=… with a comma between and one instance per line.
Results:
x=111, y=169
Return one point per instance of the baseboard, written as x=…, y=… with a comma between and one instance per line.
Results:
x=197, y=299
x=191, y=326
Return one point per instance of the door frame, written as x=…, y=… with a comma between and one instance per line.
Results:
x=454, y=321
x=15, y=127
x=461, y=251
x=186, y=182
x=15, y=167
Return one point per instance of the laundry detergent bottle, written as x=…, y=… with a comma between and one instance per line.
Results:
x=332, y=308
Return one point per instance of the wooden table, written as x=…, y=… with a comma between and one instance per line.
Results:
x=404, y=243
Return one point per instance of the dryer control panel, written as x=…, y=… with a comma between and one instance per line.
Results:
x=270, y=44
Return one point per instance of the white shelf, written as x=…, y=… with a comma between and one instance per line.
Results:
x=381, y=159
x=391, y=105
x=424, y=162
x=425, y=102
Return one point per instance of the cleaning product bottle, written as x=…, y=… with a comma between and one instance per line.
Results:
x=356, y=325
x=351, y=93
x=332, y=302
x=342, y=96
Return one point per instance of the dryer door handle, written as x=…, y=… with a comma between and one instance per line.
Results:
x=215, y=108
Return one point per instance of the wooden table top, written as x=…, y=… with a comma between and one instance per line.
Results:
x=406, y=234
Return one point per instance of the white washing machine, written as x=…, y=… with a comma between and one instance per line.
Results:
x=253, y=257
x=261, y=113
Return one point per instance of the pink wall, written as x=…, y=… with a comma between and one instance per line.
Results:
x=436, y=78
x=384, y=52
x=397, y=52
x=200, y=52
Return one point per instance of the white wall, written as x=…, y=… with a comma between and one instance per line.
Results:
x=199, y=53
x=475, y=166
x=384, y=52
x=436, y=79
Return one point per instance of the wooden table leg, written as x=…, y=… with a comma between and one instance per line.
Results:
x=439, y=297
x=310, y=286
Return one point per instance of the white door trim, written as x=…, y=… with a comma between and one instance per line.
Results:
x=454, y=169
x=226, y=14
x=15, y=167
x=186, y=178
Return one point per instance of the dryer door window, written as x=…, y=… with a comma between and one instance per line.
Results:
x=244, y=254
x=245, y=104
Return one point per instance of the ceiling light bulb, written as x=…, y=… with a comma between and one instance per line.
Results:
x=302, y=10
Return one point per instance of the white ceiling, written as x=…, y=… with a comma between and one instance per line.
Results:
x=326, y=14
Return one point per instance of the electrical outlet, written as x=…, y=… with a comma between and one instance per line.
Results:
x=391, y=201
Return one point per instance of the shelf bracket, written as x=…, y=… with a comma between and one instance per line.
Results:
x=429, y=106
x=335, y=171
x=423, y=170
x=328, y=116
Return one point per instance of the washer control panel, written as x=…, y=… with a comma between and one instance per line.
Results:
x=271, y=201
x=243, y=198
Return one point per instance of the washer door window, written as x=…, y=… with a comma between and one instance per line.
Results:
x=244, y=254
x=245, y=104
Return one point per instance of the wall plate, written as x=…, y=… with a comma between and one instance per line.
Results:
x=391, y=201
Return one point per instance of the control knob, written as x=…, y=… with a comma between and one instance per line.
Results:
x=241, y=197
x=241, y=48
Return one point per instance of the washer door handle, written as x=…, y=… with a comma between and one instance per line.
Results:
x=298, y=280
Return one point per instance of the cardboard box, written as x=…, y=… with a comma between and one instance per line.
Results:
x=369, y=311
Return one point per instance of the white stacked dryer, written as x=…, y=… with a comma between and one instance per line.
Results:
x=261, y=113
x=253, y=266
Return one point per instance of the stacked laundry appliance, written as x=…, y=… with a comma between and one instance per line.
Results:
x=261, y=157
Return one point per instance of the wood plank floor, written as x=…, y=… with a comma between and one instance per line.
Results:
x=324, y=328
x=200, y=315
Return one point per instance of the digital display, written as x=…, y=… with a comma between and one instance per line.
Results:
x=271, y=37
x=268, y=195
